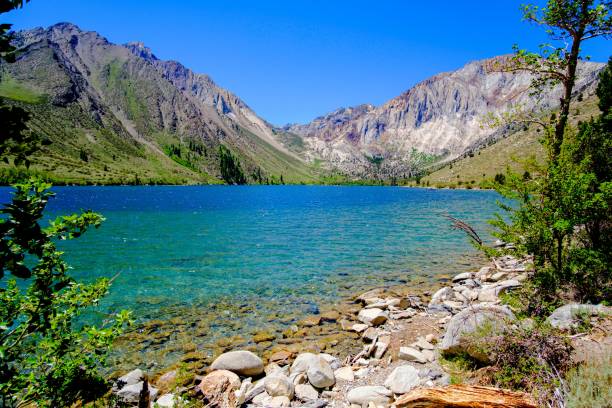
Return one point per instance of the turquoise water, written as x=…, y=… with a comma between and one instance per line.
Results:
x=287, y=248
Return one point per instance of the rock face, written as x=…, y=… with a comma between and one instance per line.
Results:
x=468, y=321
x=240, y=362
x=438, y=117
x=376, y=394
x=568, y=316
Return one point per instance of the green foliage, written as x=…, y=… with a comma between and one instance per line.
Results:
x=10, y=89
x=564, y=216
x=44, y=357
x=230, y=168
x=588, y=385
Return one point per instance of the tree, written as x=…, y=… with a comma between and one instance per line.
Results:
x=48, y=358
x=568, y=23
x=230, y=168
x=562, y=207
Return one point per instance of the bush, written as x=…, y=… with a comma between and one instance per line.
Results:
x=46, y=358
x=588, y=385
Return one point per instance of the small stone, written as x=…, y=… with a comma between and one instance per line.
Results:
x=362, y=396
x=498, y=276
x=212, y=382
x=306, y=392
x=402, y=379
x=430, y=337
x=424, y=344
x=261, y=399
x=167, y=401
x=410, y=354
x=345, y=374
x=374, y=317
x=280, y=357
x=333, y=362
x=362, y=372
x=279, y=402
x=320, y=373
x=131, y=378
x=429, y=355
x=241, y=362
x=130, y=394
x=380, y=349
x=359, y=327
x=310, y=321
x=330, y=316
x=271, y=368
x=346, y=325
x=302, y=363
x=278, y=385
x=462, y=276
x=370, y=334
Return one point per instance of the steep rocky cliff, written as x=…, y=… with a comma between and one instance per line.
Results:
x=436, y=120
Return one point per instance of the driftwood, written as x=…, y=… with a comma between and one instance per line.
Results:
x=465, y=227
x=464, y=396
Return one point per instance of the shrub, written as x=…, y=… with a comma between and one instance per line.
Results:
x=588, y=385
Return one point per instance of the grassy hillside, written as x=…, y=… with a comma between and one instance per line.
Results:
x=512, y=151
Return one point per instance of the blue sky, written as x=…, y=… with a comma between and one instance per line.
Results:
x=294, y=60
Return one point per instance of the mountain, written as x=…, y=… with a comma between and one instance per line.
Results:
x=116, y=113
x=437, y=120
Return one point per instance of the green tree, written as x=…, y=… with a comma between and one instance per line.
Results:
x=230, y=168
x=48, y=358
x=562, y=208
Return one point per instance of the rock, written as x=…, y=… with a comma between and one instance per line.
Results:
x=468, y=321
x=430, y=337
x=302, y=363
x=306, y=392
x=279, y=402
x=261, y=399
x=330, y=316
x=374, y=293
x=370, y=334
x=403, y=314
x=490, y=293
x=257, y=389
x=429, y=355
x=167, y=401
x=241, y=362
x=430, y=373
x=462, y=276
x=278, y=385
x=242, y=393
x=310, y=321
x=380, y=349
x=298, y=378
x=344, y=374
x=498, y=276
x=320, y=373
x=263, y=336
x=359, y=327
x=167, y=380
x=410, y=354
x=402, y=379
x=131, y=378
x=362, y=372
x=212, y=382
x=333, y=362
x=568, y=316
x=362, y=396
x=441, y=295
x=280, y=357
x=271, y=368
x=130, y=394
x=374, y=317
x=424, y=344
x=346, y=325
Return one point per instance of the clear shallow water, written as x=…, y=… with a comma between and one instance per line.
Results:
x=291, y=248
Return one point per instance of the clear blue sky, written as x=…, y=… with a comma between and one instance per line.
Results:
x=294, y=60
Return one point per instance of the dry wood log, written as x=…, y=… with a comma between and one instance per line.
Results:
x=464, y=396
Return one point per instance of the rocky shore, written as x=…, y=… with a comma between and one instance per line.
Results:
x=393, y=346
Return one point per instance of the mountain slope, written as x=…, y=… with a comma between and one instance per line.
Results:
x=117, y=113
x=437, y=120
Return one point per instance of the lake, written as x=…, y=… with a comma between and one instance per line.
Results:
x=281, y=251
